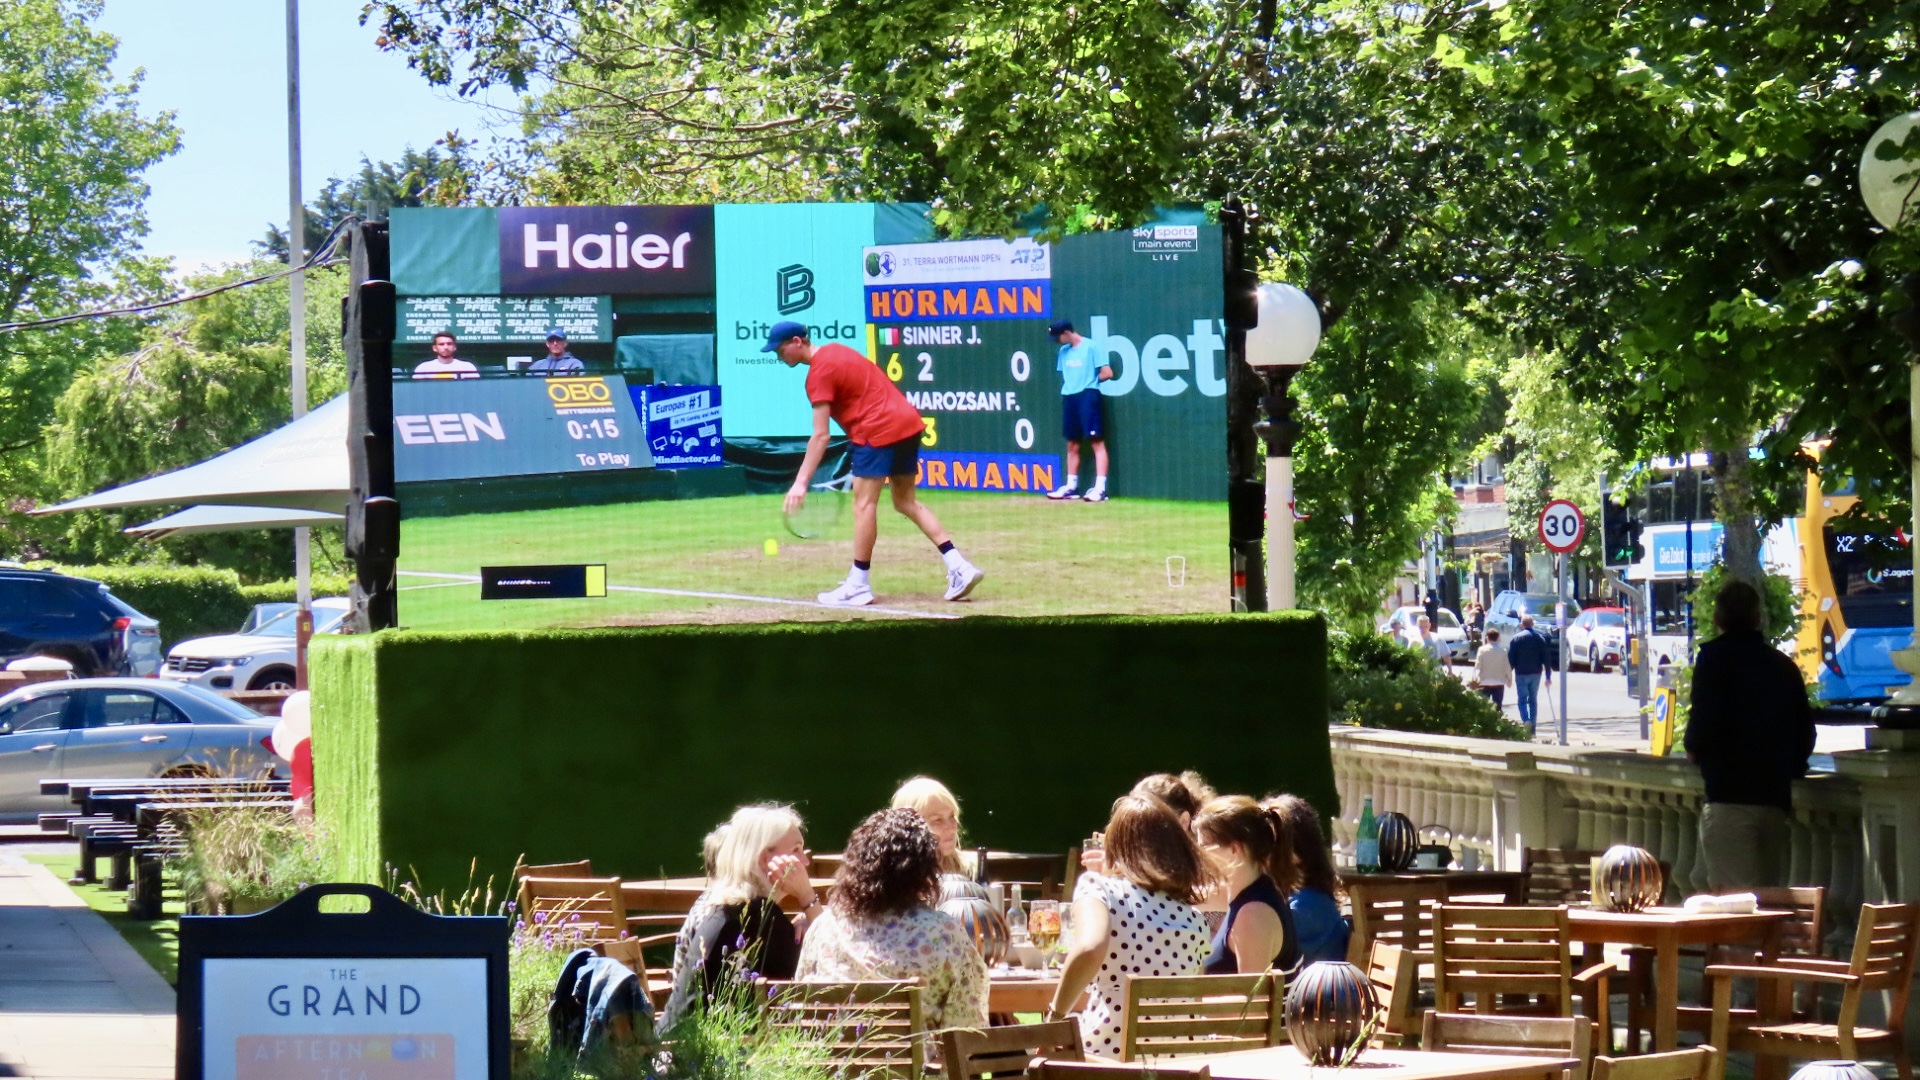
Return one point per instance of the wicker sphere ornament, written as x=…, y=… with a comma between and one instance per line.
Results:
x=1630, y=879
x=1835, y=1070
x=1398, y=838
x=986, y=926
x=1330, y=1010
x=955, y=886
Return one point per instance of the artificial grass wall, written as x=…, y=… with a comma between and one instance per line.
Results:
x=433, y=750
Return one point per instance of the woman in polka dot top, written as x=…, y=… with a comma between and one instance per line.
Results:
x=1136, y=918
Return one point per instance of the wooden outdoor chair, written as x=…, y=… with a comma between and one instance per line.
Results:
x=969, y=1053
x=1396, y=984
x=580, y=868
x=1884, y=950
x=1472, y=1033
x=1802, y=935
x=1488, y=950
x=1396, y=912
x=1086, y=1070
x=1171, y=1015
x=874, y=1029
x=1699, y=1063
x=588, y=909
x=1558, y=875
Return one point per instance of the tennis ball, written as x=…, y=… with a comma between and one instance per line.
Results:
x=772, y=546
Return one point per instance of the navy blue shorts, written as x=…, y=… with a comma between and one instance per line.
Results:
x=894, y=459
x=1080, y=415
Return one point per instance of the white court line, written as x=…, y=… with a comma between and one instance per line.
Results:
x=474, y=579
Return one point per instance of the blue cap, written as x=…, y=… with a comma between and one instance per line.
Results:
x=556, y=332
x=782, y=333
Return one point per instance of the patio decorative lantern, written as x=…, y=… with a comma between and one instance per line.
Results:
x=1629, y=879
x=1398, y=839
x=955, y=886
x=1834, y=1070
x=1330, y=1012
x=982, y=923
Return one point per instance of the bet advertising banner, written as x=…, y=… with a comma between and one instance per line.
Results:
x=675, y=483
x=797, y=261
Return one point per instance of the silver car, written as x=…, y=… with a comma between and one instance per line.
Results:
x=109, y=728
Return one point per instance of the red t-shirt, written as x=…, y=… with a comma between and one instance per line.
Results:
x=860, y=397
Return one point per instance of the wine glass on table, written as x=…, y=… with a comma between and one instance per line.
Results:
x=1043, y=928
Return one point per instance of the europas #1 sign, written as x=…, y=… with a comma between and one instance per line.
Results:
x=345, y=1019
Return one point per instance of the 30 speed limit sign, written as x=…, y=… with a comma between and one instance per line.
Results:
x=1562, y=526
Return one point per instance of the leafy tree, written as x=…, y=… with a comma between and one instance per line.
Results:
x=429, y=178
x=213, y=376
x=70, y=199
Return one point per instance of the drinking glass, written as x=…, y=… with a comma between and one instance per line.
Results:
x=1043, y=928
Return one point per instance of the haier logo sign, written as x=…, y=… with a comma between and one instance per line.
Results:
x=793, y=287
x=606, y=250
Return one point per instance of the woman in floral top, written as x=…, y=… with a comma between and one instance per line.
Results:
x=1135, y=918
x=881, y=923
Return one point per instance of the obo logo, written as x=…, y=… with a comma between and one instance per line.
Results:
x=793, y=287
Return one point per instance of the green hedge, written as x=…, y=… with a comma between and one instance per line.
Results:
x=1376, y=681
x=193, y=601
x=434, y=750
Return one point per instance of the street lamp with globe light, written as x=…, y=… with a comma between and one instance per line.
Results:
x=1890, y=184
x=1278, y=347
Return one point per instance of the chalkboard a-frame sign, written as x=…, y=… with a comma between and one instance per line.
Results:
x=295, y=993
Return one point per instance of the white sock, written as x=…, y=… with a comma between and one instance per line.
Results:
x=953, y=558
x=1072, y=482
x=859, y=577
x=1100, y=483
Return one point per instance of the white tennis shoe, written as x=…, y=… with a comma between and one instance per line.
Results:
x=1066, y=491
x=848, y=594
x=962, y=578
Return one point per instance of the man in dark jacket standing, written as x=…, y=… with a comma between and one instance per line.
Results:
x=1750, y=729
x=1527, y=653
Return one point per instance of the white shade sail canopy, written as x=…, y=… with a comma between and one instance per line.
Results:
x=208, y=519
x=301, y=466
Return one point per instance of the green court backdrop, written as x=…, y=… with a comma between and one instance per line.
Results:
x=436, y=753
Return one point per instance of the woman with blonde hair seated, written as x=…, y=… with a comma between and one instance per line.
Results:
x=740, y=930
x=1136, y=918
x=941, y=811
x=881, y=923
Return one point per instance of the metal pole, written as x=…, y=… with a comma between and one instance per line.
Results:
x=1280, y=528
x=297, y=326
x=1560, y=621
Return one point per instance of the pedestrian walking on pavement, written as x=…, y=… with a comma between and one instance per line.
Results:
x=1527, y=655
x=1491, y=671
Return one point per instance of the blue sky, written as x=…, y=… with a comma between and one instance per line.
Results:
x=220, y=66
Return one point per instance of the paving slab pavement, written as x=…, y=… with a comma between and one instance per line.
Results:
x=76, y=1002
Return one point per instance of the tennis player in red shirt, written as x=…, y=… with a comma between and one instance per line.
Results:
x=846, y=387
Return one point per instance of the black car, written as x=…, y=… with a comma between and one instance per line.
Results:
x=47, y=614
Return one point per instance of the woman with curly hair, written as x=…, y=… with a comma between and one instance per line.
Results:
x=1314, y=895
x=881, y=923
x=1135, y=918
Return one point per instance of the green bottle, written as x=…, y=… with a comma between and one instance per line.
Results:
x=1366, y=848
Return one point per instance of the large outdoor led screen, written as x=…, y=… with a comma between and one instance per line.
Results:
x=635, y=472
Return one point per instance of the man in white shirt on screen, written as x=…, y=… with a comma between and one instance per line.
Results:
x=444, y=364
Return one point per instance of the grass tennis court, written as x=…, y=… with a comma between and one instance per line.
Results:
x=1041, y=558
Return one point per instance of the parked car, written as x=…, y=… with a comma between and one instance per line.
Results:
x=47, y=614
x=92, y=728
x=1598, y=638
x=1404, y=624
x=1504, y=615
x=259, y=659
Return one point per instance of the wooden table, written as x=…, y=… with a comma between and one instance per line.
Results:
x=1666, y=930
x=1285, y=1063
x=676, y=895
x=1020, y=994
x=1508, y=884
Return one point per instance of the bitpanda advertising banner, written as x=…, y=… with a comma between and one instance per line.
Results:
x=1017, y=428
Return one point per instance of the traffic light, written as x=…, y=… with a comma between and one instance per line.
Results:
x=1243, y=299
x=1619, y=532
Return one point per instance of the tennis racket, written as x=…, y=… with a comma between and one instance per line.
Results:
x=824, y=512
